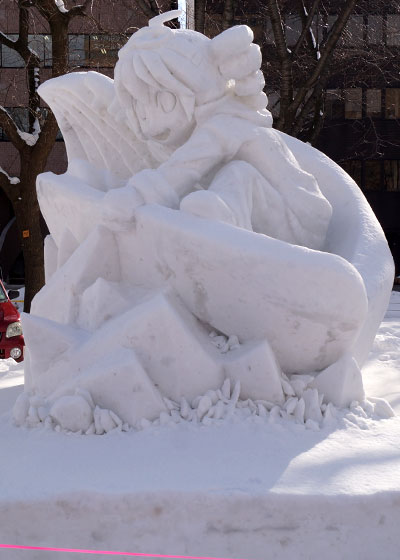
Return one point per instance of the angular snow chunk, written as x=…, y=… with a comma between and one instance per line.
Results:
x=219, y=411
x=255, y=367
x=20, y=409
x=47, y=340
x=204, y=406
x=67, y=245
x=226, y=389
x=382, y=408
x=50, y=257
x=312, y=408
x=105, y=419
x=96, y=257
x=262, y=411
x=184, y=408
x=119, y=383
x=173, y=347
x=287, y=388
x=91, y=430
x=72, y=412
x=368, y=406
x=329, y=415
x=291, y=404
x=274, y=414
x=300, y=382
x=235, y=393
x=99, y=430
x=98, y=303
x=341, y=383
x=299, y=411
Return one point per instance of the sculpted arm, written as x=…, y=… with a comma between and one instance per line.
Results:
x=209, y=147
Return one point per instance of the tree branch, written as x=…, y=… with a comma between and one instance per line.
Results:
x=306, y=24
x=7, y=187
x=4, y=40
x=11, y=129
x=327, y=51
x=286, y=85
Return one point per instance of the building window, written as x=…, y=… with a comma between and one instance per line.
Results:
x=334, y=106
x=77, y=50
x=274, y=103
x=353, y=34
x=10, y=58
x=391, y=175
x=293, y=29
x=373, y=102
x=269, y=34
x=353, y=168
x=375, y=30
x=392, y=103
x=372, y=175
x=353, y=103
x=393, y=30
x=20, y=116
x=42, y=45
x=104, y=49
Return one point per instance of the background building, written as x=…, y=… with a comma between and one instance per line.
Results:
x=361, y=106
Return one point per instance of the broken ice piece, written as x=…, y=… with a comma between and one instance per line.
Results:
x=226, y=389
x=204, y=406
x=287, y=388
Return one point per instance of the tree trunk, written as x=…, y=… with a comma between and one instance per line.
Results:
x=199, y=15
x=27, y=214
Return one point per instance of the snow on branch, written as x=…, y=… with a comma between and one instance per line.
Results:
x=7, y=41
x=61, y=6
x=10, y=128
x=11, y=180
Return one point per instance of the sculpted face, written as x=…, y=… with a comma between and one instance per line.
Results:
x=162, y=118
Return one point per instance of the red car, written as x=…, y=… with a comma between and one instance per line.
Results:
x=11, y=339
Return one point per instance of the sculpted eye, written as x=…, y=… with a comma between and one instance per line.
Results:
x=166, y=100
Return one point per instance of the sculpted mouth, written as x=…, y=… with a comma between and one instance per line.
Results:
x=162, y=136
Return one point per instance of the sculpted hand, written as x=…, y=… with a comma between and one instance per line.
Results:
x=118, y=207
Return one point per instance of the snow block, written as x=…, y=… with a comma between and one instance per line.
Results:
x=98, y=303
x=255, y=366
x=119, y=383
x=241, y=283
x=341, y=383
x=68, y=244
x=96, y=257
x=47, y=340
x=50, y=257
x=172, y=346
x=64, y=200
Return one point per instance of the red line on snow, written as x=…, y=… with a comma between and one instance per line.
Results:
x=142, y=554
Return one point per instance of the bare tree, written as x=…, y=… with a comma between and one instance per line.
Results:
x=33, y=147
x=305, y=46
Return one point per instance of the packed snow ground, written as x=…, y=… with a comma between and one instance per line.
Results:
x=235, y=489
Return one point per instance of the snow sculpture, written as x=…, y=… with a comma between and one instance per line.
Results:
x=190, y=243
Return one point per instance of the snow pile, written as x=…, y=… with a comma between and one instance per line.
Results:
x=303, y=405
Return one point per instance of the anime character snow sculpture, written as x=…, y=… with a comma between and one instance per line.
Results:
x=183, y=214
